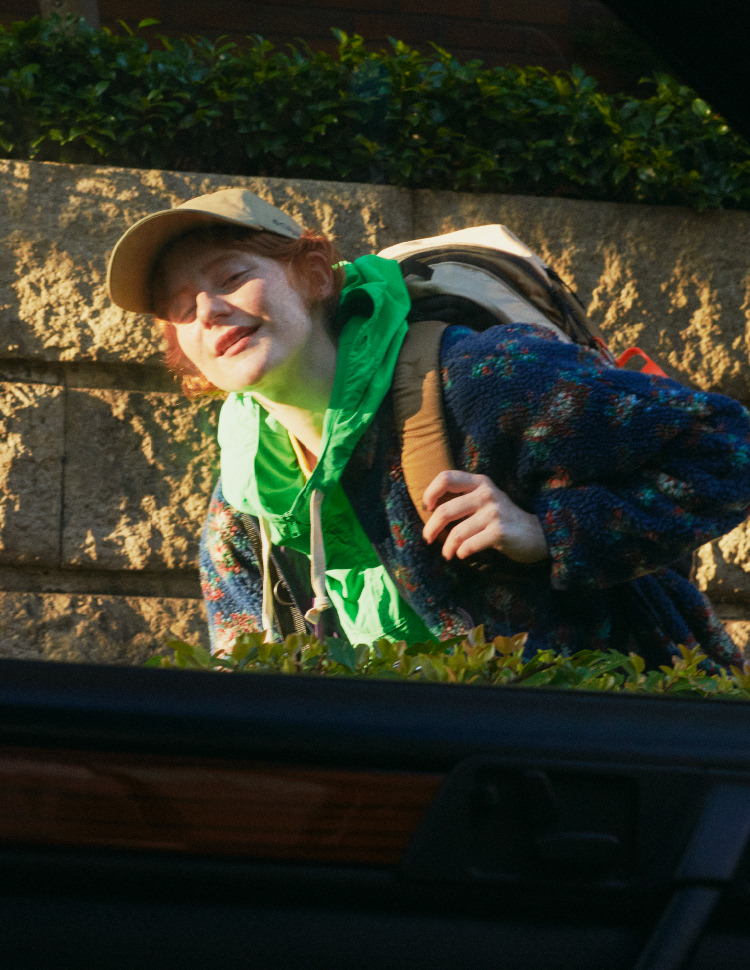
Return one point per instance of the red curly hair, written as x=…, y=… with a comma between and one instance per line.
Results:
x=293, y=252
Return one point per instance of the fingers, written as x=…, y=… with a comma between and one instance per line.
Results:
x=472, y=535
x=480, y=516
x=454, y=495
x=450, y=482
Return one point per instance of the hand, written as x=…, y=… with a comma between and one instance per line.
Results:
x=485, y=519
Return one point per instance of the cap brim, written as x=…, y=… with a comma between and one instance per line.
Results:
x=133, y=259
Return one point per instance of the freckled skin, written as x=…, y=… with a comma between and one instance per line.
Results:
x=241, y=318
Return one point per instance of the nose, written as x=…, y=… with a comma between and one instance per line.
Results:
x=210, y=308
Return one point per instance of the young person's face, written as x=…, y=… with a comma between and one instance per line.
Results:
x=242, y=319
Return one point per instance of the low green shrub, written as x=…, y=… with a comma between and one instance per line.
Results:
x=463, y=660
x=396, y=116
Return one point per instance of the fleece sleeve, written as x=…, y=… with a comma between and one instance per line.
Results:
x=230, y=579
x=627, y=472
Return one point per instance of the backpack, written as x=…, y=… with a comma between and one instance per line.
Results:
x=477, y=277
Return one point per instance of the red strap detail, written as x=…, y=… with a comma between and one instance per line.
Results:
x=649, y=367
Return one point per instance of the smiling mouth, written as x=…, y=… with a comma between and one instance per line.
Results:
x=229, y=340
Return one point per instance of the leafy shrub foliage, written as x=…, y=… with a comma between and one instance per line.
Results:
x=463, y=660
x=74, y=94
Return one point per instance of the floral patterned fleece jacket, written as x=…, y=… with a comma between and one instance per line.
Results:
x=627, y=473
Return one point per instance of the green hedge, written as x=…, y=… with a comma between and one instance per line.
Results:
x=464, y=660
x=73, y=94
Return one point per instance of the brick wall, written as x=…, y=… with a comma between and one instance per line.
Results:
x=552, y=33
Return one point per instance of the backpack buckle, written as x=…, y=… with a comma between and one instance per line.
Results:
x=649, y=366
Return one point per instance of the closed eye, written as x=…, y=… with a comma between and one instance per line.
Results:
x=232, y=282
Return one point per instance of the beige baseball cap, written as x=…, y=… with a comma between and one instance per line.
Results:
x=134, y=257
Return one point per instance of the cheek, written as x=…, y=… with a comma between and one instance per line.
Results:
x=183, y=339
x=188, y=345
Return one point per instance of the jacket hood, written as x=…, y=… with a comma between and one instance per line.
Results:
x=260, y=472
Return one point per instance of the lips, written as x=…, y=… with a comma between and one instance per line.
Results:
x=232, y=337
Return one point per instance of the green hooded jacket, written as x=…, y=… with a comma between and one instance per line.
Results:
x=261, y=474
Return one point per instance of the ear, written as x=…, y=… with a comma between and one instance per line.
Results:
x=316, y=276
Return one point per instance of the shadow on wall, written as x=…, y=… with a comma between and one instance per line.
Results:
x=103, y=497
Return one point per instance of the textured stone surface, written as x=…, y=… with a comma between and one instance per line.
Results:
x=672, y=280
x=31, y=471
x=94, y=629
x=138, y=474
x=112, y=479
x=724, y=566
x=739, y=631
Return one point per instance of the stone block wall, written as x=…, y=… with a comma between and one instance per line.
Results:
x=104, y=468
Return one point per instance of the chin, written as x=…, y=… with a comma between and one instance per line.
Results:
x=249, y=379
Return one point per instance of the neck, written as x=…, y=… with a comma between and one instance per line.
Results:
x=300, y=393
x=304, y=424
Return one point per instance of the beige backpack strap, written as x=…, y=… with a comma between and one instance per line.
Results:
x=418, y=407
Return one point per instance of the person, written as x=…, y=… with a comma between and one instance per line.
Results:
x=579, y=490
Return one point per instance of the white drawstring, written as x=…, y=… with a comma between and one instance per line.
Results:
x=317, y=560
x=266, y=613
